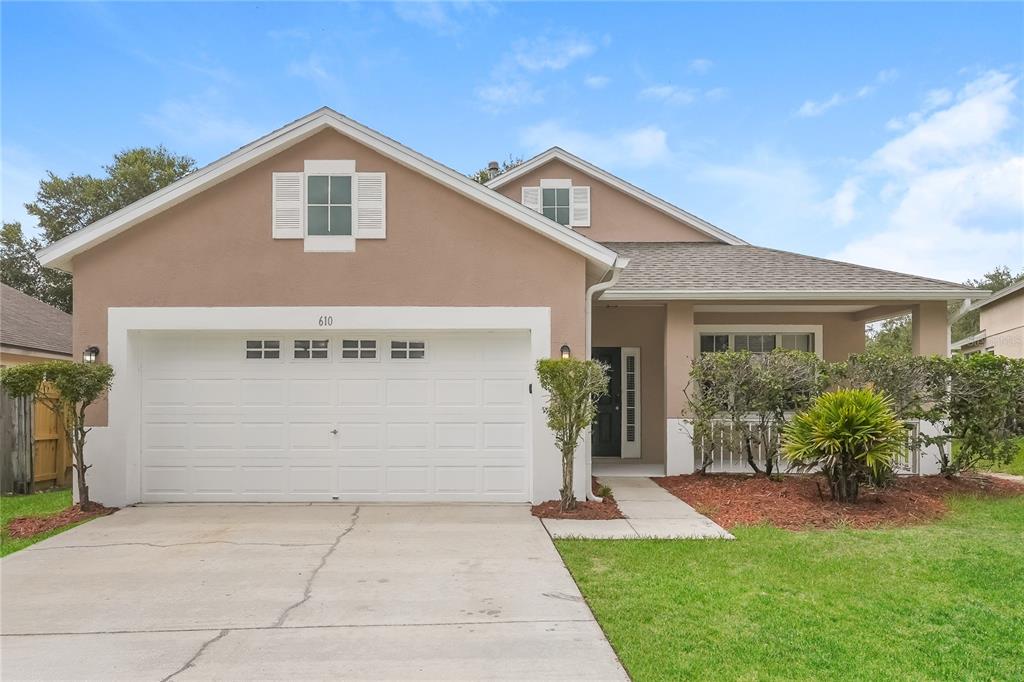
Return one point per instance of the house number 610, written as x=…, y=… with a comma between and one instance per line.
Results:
x=327, y=320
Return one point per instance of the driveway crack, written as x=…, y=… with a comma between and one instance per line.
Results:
x=192, y=661
x=308, y=592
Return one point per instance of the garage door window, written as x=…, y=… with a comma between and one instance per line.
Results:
x=310, y=349
x=358, y=349
x=408, y=350
x=262, y=349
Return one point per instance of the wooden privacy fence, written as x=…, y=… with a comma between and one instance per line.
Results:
x=33, y=451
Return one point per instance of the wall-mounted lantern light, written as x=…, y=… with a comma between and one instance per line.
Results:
x=566, y=351
x=91, y=354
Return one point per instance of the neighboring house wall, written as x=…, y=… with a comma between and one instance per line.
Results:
x=15, y=357
x=1003, y=324
x=215, y=249
x=614, y=216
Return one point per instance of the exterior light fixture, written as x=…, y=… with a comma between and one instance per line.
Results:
x=566, y=351
x=91, y=354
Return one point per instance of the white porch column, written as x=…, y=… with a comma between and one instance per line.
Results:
x=929, y=329
x=679, y=344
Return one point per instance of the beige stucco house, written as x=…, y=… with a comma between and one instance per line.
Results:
x=1001, y=324
x=326, y=314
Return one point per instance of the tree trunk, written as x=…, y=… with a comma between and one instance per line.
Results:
x=750, y=456
x=78, y=453
x=568, y=498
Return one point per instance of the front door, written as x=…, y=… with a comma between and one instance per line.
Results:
x=607, y=432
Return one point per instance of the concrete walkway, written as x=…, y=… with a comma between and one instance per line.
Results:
x=650, y=511
x=290, y=592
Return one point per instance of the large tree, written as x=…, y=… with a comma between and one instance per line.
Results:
x=893, y=335
x=66, y=204
x=484, y=175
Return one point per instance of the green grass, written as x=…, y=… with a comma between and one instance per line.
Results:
x=1016, y=466
x=39, y=504
x=941, y=601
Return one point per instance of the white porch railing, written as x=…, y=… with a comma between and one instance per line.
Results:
x=729, y=454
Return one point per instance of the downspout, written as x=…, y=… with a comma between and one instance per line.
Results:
x=600, y=287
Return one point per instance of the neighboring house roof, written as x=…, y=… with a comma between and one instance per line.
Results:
x=998, y=295
x=59, y=254
x=28, y=323
x=703, y=270
x=972, y=340
x=557, y=153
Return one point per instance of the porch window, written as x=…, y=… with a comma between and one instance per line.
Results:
x=756, y=343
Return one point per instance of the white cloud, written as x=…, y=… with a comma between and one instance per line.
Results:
x=442, y=18
x=201, y=119
x=700, y=65
x=671, y=94
x=715, y=94
x=811, y=108
x=933, y=99
x=506, y=94
x=550, y=53
x=843, y=202
x=950, y=197
x=596, y=82
x=637, y=147
x=313, y=69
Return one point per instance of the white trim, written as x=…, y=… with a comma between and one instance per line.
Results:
x=329, y=243
x=29, y=352
x=629, y=450
x=777, y=329
x=555, y=183
x=124, y=325
x=59, y=254
x=785, y=294
x=665, y=207
x=995, y=296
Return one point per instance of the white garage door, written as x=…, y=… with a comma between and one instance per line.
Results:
x=265, y=416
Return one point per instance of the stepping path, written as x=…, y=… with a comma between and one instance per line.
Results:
x=650, y=511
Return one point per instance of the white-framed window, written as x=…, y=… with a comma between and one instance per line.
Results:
x=758, y=338
x=359, y=349
x=262, y=349
x=311, y=349
x=329, y=205
x=555, y=204
x=408, y=350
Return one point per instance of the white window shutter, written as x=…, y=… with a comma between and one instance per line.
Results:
x=579, y=207
x=287, y=206
x=531, y=198
x=370, y=198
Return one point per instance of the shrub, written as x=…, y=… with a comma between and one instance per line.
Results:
x=77, y=385
x=573, y=388
x=850, y=434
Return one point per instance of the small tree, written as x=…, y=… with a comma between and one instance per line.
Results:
x=852, y=435
x=573, y=388
x=75, y=386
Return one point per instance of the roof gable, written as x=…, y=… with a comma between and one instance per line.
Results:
x=645, y=197
x=59, y=254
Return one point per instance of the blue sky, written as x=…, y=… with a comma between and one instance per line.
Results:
x=888, y=135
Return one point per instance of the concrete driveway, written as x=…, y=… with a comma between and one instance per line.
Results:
x=299, y=592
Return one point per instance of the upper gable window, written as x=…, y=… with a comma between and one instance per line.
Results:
x=555, y=204
x=329, y=205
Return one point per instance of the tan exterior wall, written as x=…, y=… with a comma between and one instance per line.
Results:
x=841, y=335
x=215, y=249
x=614, y=216
x=929, y=328
x=1003, y=323
x=642, y=327
x=9, y=358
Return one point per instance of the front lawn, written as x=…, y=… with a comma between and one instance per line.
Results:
x=1016, y=466
x=939, y=601
x=39, y=504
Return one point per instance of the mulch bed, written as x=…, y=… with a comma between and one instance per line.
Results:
x=795, y=502
x=585, y=510
x=27, y=526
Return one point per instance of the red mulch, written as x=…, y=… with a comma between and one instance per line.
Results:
x=27, y=526
x=794, y=502
x=585, y=510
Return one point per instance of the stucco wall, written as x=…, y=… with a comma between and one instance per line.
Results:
x=614, y=216
x=642, y=327
x=215, y=249
x=1003, y=322
x=841, y=335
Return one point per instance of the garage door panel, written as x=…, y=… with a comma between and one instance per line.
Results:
x=453, y=426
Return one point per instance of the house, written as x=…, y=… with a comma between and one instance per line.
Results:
x=30, y=330
x=326, y=314
x=1001, y=324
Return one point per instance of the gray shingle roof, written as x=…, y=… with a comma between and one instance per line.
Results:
x=29, y=323
x=706, y=266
